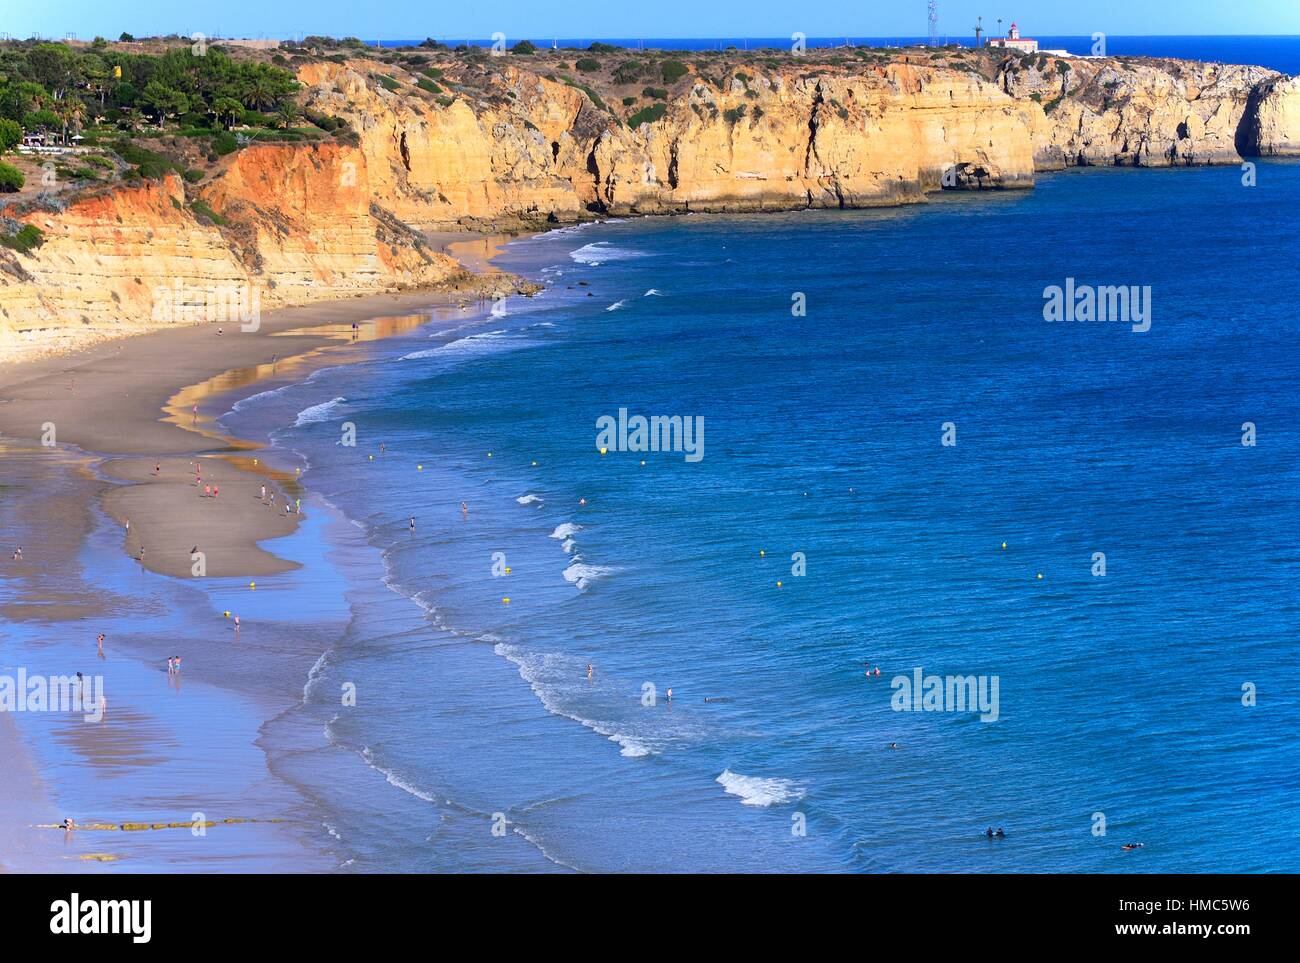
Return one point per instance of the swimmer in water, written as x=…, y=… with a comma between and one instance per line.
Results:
x=1000, y=834
x=989, y=832
x=1128, y=846
x=893, y=745
x=411, y=524
x=669, y=695
x=464, y=510
x=590, y=671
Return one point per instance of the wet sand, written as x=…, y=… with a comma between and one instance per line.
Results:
x=130, y=421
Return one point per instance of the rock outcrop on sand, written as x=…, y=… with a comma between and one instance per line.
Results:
x=289, y=223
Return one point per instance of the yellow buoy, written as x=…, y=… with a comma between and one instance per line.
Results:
x=1004, y=545
x=778, y=584
x=371, y=457
x=1040, y=574
x=419, y=468
x=762, y=554
x=642, y=462
x=252, y=585
x=534, y=464
x=603, y=450
x=507, y=569
x=505, y=601
x=226, y=614
x=489, y=454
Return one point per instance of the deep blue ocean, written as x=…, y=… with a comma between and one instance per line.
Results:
x=1120, y=696
x=1277, y=52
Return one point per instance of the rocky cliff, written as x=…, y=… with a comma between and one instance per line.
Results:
x=497, y=145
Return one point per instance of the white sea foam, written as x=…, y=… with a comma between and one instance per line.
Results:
x=260, y=396
x=529, y=499
x=568, y=545
x=538, y=670
x=394, y=779
x=318, y=413
x=582, y=574
x=616, y=305
x=565, y=531
x=313, y=676
x=482, y=343
x=652, y=293
x=757, y=791
x=598, y=252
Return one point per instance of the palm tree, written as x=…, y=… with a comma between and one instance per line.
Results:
x=228, y=108
x=287, y=114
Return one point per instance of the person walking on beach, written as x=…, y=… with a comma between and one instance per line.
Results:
x=18, y=554
x=411, y=524
x=128, y=528
x=264, y=494
x=297, y=506
x=216, y=490
x=157, y=468
x=170, y=668
x=207, y=491
x=272, y=499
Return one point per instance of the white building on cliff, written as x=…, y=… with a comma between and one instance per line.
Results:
x=1013, y=41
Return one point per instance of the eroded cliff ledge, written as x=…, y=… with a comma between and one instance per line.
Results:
x=502, y=145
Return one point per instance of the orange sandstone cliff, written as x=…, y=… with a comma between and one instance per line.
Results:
x=289, y=223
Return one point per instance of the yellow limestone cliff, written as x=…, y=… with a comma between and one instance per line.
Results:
x=280, y=224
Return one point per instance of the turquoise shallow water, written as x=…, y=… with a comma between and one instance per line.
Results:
x=1118, y=695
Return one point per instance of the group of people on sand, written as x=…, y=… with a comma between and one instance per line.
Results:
x=174, y=665
x=18, y=553
x=295, y=509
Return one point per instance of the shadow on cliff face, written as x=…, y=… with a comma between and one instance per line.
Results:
x=1246, y=138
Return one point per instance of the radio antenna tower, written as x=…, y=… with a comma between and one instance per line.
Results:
x=934, y=23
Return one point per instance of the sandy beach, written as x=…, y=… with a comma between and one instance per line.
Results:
x=134, y=435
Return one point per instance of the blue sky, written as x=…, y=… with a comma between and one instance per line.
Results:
x=538, y=19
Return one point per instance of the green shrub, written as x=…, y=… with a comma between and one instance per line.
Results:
x=224, y=143
x=672, y=71
x=11, y=134
x=387, y=82
x=629, y=101
x=524, y=48
x=27, y=238
x=193, y=175
x=202, y=209
x=655, y=93
x=424, y=83
x=11, y=179
x=647, y=115
x=587, y=64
